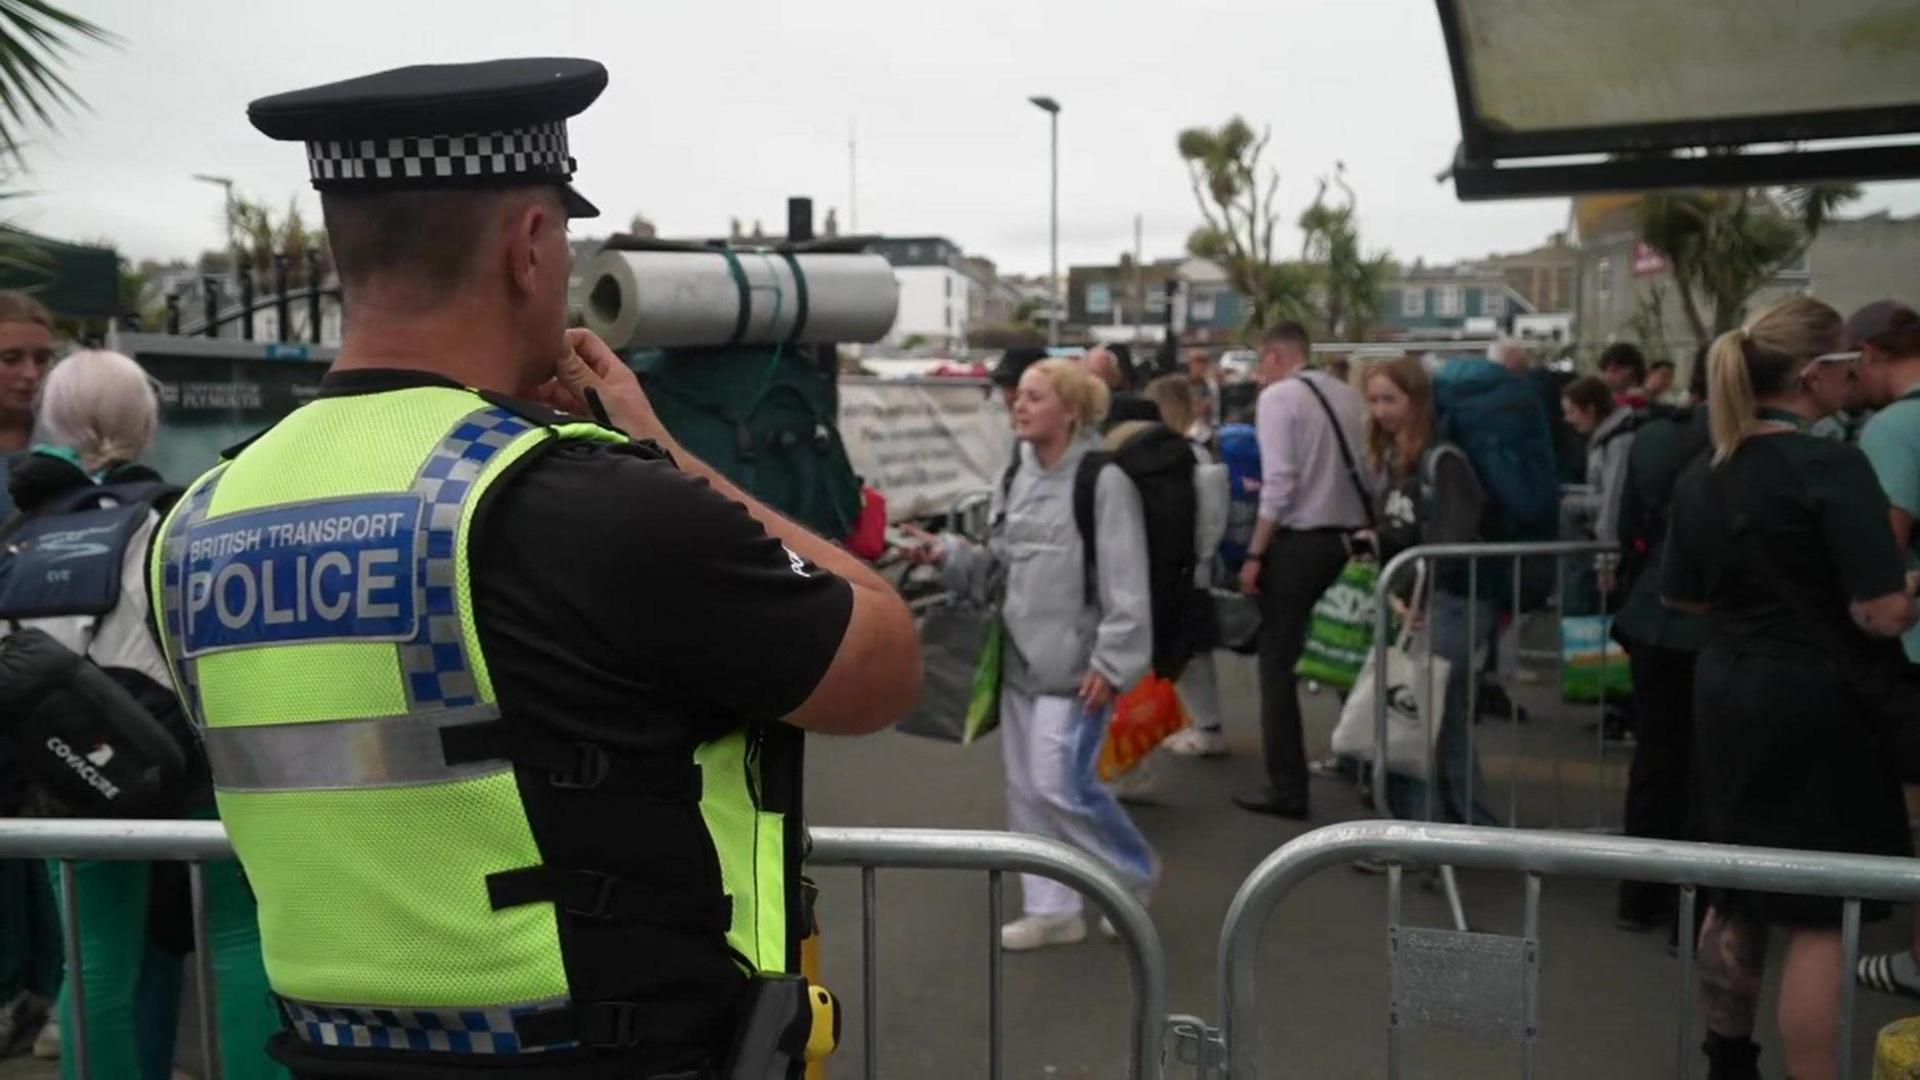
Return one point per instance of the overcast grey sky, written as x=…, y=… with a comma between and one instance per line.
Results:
x=721, y=108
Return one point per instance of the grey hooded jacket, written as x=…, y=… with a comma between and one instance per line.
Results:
x=1055, y=630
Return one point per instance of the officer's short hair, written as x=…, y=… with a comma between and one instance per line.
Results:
x=427, y=239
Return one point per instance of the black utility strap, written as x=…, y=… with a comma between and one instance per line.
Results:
x=601, y=897
x=667, y=778
x=608, y=1025
x=1346, y=452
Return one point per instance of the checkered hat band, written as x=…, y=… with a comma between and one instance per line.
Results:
x=485, y=1029
x=539, y=151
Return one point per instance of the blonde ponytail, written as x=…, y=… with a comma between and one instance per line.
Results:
x=1732, y=411
x=1760, y=361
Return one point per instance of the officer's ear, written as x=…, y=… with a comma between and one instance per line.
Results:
x=531, y=223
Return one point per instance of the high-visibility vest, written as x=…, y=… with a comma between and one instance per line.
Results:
x=434, y=873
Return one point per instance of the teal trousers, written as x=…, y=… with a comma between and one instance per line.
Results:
x=132, y=987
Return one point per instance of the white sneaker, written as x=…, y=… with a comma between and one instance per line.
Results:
x=1040, y=931
x=46, y=1045
x=1197, y=742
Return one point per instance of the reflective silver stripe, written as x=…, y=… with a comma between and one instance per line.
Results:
x=335, y=755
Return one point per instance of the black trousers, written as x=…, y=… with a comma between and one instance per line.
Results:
x=1659, y=780
x=1299, y=566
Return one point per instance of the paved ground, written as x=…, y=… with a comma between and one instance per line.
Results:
x=1608, y=998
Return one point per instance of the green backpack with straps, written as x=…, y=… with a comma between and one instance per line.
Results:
x=766, y=417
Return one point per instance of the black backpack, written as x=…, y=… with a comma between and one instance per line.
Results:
x=1160, y=463
x=89, y=740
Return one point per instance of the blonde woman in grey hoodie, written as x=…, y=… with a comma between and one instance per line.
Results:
x=1074, y=641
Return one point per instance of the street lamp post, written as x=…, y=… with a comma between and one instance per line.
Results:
x=233, y=241
x=1052, y=109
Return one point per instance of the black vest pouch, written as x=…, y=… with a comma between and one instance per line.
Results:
x=81, y=737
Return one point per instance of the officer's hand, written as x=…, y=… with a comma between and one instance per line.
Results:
x=589, y=364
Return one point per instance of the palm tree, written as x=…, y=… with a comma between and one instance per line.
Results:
x=1724, y=245
x=35, y=38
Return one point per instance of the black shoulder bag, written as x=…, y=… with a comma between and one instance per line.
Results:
x=80, y=736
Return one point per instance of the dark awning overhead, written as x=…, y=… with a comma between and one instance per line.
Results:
x=1659, y=86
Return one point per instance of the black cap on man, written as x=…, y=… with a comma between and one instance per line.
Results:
x=499, y=123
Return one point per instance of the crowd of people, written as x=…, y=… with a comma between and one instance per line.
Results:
x=73, y=429
x=1764, y=575
x=1764, y=589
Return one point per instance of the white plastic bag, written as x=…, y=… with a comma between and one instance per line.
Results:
x=1415, y=702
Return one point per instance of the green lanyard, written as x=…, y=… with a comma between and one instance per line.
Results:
x=1782, y=416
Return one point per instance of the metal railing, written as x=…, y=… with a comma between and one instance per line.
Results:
x=1852, y=878
x=869, y=850
x=1515, y=554
x=997, y=853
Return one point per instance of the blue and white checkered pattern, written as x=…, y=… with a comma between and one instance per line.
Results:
x=173, y=588
x=435, y=665
x=486, y=1030
x=536, y=152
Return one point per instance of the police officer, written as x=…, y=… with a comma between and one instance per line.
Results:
x=503, y=706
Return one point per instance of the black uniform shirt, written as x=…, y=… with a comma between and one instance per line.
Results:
x=621, y=599
x=1819, y=519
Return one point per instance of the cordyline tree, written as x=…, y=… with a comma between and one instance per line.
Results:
x=1235, y=193
x=1724, y=245
x=1351, y=284
x=1333, y=285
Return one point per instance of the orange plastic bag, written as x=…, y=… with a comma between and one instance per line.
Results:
x=1142, y=718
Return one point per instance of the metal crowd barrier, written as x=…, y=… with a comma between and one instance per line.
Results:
x=870, y=850
x=997, y=853
x=1515, y=554
x=1428, y=966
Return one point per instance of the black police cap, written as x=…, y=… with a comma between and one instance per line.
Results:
x=501, y=123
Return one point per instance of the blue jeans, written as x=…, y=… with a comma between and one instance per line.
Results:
x=1447, y=635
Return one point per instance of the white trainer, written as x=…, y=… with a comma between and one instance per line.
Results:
x=1040, y=931
x=1197, y=742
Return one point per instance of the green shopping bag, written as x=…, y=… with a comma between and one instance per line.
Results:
x=983, y=707
x=1340, y=631
x=1591, y=662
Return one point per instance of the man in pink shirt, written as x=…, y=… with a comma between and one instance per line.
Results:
x=1312, y=495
